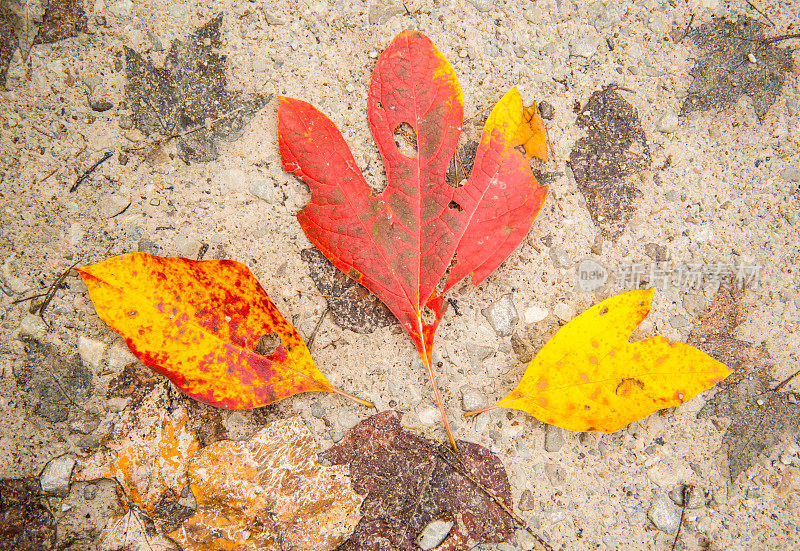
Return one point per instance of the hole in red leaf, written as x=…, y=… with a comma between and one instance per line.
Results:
x=406, y=140
x=267, y=344
x=456, y=206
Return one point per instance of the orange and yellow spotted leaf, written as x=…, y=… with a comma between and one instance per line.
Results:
x=208, y=326
x=590, y=377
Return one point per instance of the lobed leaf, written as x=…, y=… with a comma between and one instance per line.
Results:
x=589, y=377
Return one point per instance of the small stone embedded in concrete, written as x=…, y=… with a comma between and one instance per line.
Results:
x=584, y=47
x=91, y=351
x=429, y=415
x=526, y=501
x=56, y=475
x=85, y=424
x=668, y=123
x=696, y=497
x=433, y=534
x=553, y=438
x=555, y=474
x=121, y=8
x=791, y=174
x=348, y=419
x=32, y=327
x=472, y=400
x=502, y=316
x=546, y=110
x=560, y=257
x=187, y=499
x=382, y=12
x=534, y=314
x=482, y=5
x=678, y=321
x=563, y=311
x=657, y=252
x=664, y=514
x=265, y=189
x=90, y=492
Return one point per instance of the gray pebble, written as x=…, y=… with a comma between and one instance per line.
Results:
x=694, y=303
x=56, y=475
x=491, y=49
x=121, y=8
x=546, y=110
x=553, y=438
x=471, y=399
x=434, y=534
x=526, y=501
x=678, y=321
x=261, y=64
x=502, y=316
x=384, y=11
x=32, y=327
x=482, y=5
x=659, y=253
x=697, y=497
x=668, y=122
x=84, y=424
x=555, y=474
x=187, y=498
x=791, y=174
x=317, y=410
x=348, y=419
x=664, y=514
x=584, y=47
x=560, y=257
x=563, y=311
x=90, y=492
x=265, y=189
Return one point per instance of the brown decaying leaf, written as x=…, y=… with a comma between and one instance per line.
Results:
x=352, y=306
x=133, y=532
x=62, y=19
x=759, y=415
x=26, y=523
x=605, y=160
x=724, y=72
x=714, y=336
x=407, y=485
x=135, y=382
x=188, y=97
x=269, y=493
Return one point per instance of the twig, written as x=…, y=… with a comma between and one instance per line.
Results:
x=120, y=212
x=91, y=169
x=786, y=381
x=310, y=340
x=686, y=491
x=749, y=3
x=35, y=127
x=51, y=292
x=202, y=252
x=443, y=452
x=46, y=177
x=779, y=38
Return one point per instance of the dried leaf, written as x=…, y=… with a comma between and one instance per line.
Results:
x=189, y=94
x=133, y=532
x=407, y=485
x=589, y=377
x=62, y=19
x=269, y=493
x=26, y=16
x=352, y=306
x=759, y=416
x=604, y=161
x=714, y=335
x=26, y=523
x=724, y=72
x=147, y=453
x=199, y=323
x=400, y=243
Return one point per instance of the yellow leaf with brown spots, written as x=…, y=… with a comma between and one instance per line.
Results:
x=208, y=326
x=590, y=377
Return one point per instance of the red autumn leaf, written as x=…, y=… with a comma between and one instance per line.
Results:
x=400, y=243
